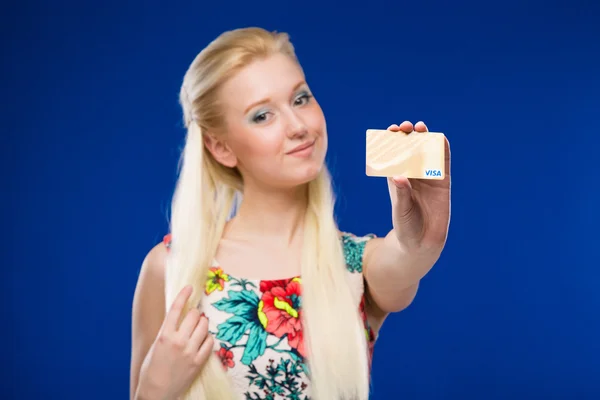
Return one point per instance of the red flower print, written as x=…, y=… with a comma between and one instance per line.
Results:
x=369, y=333
x=226, y=357
x=368, y=330
x=279, y=311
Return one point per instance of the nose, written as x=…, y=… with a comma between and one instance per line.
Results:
x=295, y=125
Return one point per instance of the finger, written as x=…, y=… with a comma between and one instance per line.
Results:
x=408, y=219
x=421, y=127
x=393, y=127
x=403, y=197
x=199, y=334
x=174, y=313
x=406, y=127
x=447, y=159
x=189, y=323
x=205, y=351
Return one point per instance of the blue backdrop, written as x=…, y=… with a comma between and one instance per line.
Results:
x=91, y=135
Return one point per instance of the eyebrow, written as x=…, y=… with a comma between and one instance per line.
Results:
x=263, y=101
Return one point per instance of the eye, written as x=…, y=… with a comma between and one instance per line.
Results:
x=303, y=98
x=260, y=117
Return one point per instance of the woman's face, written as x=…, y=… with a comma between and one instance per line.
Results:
x=275, y=133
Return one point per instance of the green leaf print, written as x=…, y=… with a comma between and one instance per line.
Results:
x=233, y=329
x=353, y=251
x=243, y=283
x=256, y=345
x=239, y=303
x=277, y=390
x=260, y=382
x=281, y=380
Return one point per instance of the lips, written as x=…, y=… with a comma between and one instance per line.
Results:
x=302, y=147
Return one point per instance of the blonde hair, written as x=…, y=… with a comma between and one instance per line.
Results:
x=202, y=202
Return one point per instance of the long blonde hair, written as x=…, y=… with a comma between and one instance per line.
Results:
x=202, y=202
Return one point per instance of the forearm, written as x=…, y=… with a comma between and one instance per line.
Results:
x=146, y=393
x=149, y=391
x=393, y=274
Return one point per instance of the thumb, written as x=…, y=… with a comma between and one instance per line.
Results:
x=406, y=214
x=402, y=200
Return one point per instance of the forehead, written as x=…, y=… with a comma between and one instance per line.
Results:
x=273, y=77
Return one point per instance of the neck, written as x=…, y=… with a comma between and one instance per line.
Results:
x=275, y=215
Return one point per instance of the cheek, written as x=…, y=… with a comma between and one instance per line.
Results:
x=315, y=119
x=259, y=146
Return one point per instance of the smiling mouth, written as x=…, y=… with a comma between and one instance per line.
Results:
x=302, y=147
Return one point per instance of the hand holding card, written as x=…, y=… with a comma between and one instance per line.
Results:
x=417, y=165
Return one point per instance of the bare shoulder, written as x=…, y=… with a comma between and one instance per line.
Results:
x=149, y=298
x=370, y=248
x=148, y=309
x=361, y=248
x=151, y=280
x=153, y=265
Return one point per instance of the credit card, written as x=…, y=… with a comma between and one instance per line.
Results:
x=418, y=155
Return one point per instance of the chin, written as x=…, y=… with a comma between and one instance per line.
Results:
x=309, y=173
x=302, y=175
x=302, y=171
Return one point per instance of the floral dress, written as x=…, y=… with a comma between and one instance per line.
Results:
x=257, y=326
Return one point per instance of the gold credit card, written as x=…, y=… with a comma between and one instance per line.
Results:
x=418, y=155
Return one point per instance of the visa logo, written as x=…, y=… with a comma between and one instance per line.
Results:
x=433, y=172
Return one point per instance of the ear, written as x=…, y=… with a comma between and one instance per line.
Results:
x=220, y=150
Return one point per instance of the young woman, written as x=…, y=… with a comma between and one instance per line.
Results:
x=265, y=298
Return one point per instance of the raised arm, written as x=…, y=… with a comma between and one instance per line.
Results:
x=395, y=264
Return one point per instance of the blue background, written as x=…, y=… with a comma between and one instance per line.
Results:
x=91, y=133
